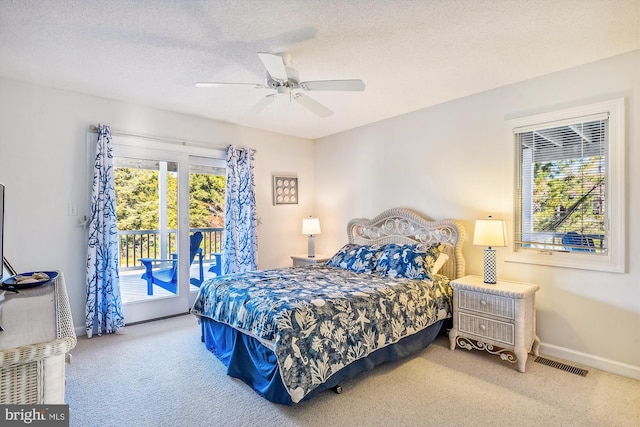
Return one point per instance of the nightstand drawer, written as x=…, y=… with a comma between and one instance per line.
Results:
x=486, y=303
x=487, y=328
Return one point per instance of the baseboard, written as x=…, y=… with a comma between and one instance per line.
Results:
x=80, y=331
x=592, y=361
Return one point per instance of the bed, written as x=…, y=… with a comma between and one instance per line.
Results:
x=291, y=333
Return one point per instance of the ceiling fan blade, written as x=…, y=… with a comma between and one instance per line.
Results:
x=263, y=103
x=346, y=85
x=220, y=84
x=312, y=105
x=274, y=65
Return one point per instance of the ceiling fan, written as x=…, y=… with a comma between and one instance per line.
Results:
x=284, y=80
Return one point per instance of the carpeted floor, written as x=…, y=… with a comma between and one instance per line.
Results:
x=160, y=374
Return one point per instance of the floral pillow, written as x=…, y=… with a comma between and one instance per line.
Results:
x=442, y=258
x=435, y=259
x=407, y=261
x=359, y=258
x=342, y=255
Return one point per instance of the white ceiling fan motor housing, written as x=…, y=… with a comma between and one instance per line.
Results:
x=291, y=82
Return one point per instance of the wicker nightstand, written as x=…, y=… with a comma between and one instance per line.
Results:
x=501, y=315
x=299, y=260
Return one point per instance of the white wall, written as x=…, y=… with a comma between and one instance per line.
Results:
x=43, y=135
x=450, y=161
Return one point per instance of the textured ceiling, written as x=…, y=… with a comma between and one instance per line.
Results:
x=410, y=54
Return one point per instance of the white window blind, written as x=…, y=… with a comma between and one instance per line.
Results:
x=561, y=194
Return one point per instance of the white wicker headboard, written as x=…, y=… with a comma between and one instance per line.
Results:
x=404, y=226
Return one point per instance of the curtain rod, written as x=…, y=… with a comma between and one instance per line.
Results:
x=94, y=129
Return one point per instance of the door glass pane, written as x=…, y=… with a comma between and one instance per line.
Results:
x=207, y=183
x=147, y=213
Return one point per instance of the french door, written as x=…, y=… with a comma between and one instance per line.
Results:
x=153, y=201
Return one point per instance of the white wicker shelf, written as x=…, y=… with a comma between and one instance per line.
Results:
x=38, y=334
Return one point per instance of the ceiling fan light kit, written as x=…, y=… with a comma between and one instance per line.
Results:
x=284, y=80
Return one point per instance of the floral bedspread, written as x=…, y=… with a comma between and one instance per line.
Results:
x=318, y=319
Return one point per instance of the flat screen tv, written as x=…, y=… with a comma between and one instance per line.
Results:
x=2, y=228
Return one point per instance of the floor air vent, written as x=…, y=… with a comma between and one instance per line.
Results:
x=563, y=366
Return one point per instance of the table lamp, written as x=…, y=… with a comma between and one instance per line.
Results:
x=490, y=232
x=311, y=227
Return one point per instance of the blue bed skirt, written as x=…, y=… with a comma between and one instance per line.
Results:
x=247, y=359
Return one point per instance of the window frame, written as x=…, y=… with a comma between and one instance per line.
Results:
x=615, y=258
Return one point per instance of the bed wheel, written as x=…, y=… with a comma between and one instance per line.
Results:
x=337, y=389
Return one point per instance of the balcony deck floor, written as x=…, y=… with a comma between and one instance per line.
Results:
x=133, y=288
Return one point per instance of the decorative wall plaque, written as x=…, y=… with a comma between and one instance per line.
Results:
x=285, y=190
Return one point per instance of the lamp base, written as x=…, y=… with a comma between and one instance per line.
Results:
x=490, y=266
x=311, y=248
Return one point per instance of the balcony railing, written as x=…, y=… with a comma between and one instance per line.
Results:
x=136, y=244
x=553, y=241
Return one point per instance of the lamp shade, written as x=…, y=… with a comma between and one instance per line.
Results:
x=490, y=232
x=311, y=226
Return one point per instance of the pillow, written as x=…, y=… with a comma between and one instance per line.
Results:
x=442, y=258
x=407, y=261
x=431, y=258
x=359, y=258
x=401, y=261
x=340, y=256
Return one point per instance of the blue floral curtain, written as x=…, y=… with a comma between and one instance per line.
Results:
x=104, y=304
x=240, y=248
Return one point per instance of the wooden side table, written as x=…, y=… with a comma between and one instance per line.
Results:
x=499, y=315
x=299, y=260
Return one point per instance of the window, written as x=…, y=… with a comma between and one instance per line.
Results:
x=569, y=187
